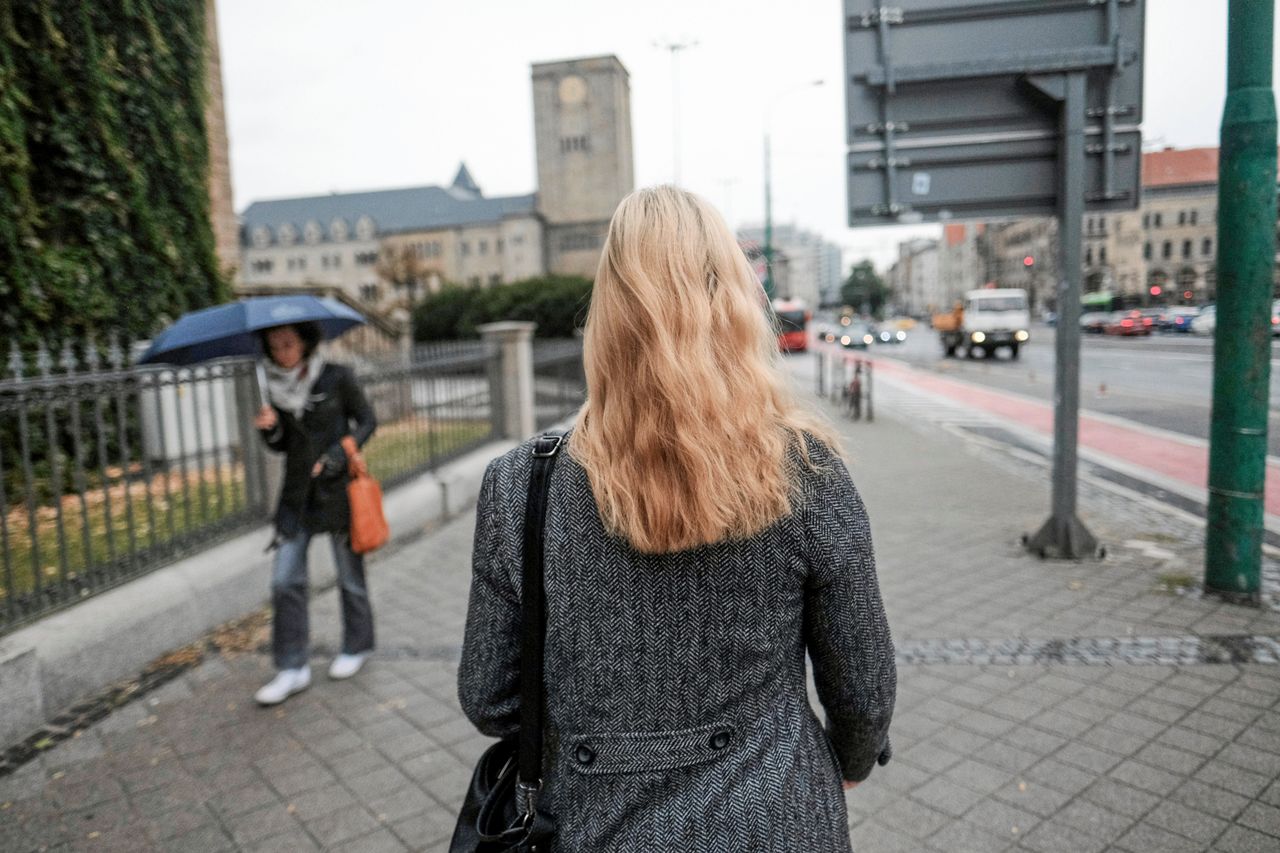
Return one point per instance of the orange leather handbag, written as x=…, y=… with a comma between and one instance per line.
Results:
x=369, y=530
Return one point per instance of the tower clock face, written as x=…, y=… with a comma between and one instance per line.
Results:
x=573, y=90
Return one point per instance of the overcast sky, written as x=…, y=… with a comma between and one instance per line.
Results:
x=327, y=96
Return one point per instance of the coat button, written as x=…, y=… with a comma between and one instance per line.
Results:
x=719, y=740
x=584, y=754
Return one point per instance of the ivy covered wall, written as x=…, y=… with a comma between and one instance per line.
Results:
x=104, y=204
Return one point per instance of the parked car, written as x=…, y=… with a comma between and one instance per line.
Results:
x=888, y=334
x=1275, y=318
x=856, y=336
x=1094, y=321
x=1206, y=321
x=1179, y=319
x=1132, y=322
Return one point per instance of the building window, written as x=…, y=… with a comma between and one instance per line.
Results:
x=365, y=228
x=1195, y=214
x=484, y=247
x=312, y=233
x=324, y=262
x=264, y=266
x=436, y=249
x=369, y=292
x=1146, y=252
x=517, y=240
x=474, y=281
x=1182, y=217
x=1166, y=251
x=465, y=247
x=1158, y=220
x=338, y=230
x=286, y=234
x=497, y=246
x=495, y=278
x=366, y=259
x=1088, y=256
x=574, y=143
x=1146, y=220
x=578, y=242
x=1206, y=247
x=262, y=236
x=1186, y=248
x=1102, y=254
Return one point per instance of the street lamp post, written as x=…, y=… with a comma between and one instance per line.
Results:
x=768, y=188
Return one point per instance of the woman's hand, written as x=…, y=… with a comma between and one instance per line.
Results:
x=317, y=468
x=266, y=418
x=849, y=786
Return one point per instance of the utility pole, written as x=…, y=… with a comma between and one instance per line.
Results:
x=1242, y=340
x=674, y=47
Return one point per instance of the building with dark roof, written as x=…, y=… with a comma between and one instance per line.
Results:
x=386, y=247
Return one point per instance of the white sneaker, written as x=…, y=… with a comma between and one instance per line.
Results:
x=286, y=683
x=345, y=665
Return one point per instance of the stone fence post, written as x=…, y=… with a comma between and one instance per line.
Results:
x=512, y=393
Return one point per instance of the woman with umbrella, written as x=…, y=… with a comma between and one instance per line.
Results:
x=313, y=404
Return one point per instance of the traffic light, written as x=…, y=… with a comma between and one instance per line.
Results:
x=1028, y=261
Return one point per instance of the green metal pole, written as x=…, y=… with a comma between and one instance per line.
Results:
x=1242, y=341
x=768, y=221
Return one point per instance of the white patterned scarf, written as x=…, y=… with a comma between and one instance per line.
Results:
x=290, y=389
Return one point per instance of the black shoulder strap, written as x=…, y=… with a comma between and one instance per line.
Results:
x=533, y=611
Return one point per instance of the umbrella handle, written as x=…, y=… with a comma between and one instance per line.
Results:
x=262, y=383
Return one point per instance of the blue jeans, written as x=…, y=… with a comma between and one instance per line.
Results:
x=289, y=625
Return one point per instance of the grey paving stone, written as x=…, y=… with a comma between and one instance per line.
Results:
x=1233, y=778
x=381, y=841
x=310, y=805
x=1170, y=758
x=1262, y=817
x=284, y=843
x=967, y=838
x=946, y=796
x=1119, y=797
x=1086, y=757
x=1146, y=777
x=260, y=824
x=1057, y=837
x=1240, y=839
x=1194, y=824
x=336, y=827
x=1094, y=819
x=1145, y=837
x=912, y=817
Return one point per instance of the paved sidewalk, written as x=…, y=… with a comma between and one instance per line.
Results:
x=1098, y=727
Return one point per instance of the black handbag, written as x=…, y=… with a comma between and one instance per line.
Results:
x=500, y=813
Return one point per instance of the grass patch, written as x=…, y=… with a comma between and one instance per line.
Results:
x=412, y=443
x=96, y=531
x=1174, y=583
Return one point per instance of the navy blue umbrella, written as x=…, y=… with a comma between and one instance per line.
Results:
x=232, y=329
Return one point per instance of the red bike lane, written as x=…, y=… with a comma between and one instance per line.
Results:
x=1185, y=461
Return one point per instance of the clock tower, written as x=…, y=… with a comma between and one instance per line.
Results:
x=582, y=130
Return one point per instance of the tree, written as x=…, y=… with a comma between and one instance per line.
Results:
x=407, y=272
x=865, y=290
x=558, y=304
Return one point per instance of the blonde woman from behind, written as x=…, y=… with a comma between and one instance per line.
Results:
x=702, y=535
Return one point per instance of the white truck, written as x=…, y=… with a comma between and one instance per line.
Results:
x=985, y=321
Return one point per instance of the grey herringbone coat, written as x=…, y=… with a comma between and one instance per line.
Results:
x=677, y=712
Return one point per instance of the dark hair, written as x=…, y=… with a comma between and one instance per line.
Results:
x=310, y=333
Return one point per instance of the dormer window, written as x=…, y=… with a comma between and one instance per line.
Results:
x=287, y=234
x=313, y=233
x=364, y=228
x=338, y=230
x=261, y=237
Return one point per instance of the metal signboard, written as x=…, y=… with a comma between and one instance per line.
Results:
x=945, y=120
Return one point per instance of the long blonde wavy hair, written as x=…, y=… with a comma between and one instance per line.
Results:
x=688, y=420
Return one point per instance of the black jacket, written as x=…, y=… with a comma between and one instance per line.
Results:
x=337, y=407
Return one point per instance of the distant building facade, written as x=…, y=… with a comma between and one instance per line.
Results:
x=812, y=272
x=385, y=248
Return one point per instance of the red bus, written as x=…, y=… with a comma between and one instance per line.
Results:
x=793, y=325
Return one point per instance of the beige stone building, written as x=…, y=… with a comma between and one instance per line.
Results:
x=1164, y=252
x=386, y=248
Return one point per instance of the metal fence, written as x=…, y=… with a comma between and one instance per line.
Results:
x=559, y=382
x=109, y=471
